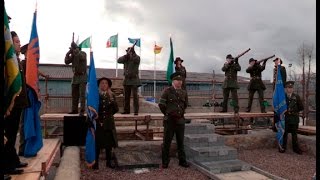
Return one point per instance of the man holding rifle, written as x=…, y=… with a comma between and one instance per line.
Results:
x=231, y=68
x=256, y=84
x=78, y=59
x=131, y=82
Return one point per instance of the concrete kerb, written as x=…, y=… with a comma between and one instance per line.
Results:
x=69, y=167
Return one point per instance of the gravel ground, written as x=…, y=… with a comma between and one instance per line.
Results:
x=287, y=165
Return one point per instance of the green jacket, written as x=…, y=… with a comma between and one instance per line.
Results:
x=79, y=66
x=295, y=105
x=130, y=69
x=173, y=104
x=256, y=82
x=231, y=71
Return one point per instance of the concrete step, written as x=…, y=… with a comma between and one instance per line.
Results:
x=214, y=153
x=226, y=166
x=203, y=140
x=199, y=128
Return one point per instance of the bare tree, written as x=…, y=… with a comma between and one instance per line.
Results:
x=303, y=52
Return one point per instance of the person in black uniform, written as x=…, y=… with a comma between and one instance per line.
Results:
x=256, y=83
x=106, y=135
x=173, y=102
x=295, y=105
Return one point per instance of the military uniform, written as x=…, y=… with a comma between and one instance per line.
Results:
x=256, y=84
x=295, y=105
x=230, y=84
x=106, y=135
x=131, y=80
x=182, y=70
x=173, y=103
x=79, y=79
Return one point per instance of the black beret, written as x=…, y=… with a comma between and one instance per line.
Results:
x=229, y=56
x=176, y=76
x=289, y=84
x=251, y=59
x=178, y=59
x=104, y=78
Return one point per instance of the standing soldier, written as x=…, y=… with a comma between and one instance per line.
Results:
x=182, y=70
x=131, y=82
x=231, y=68
x=256, y=83
x=173, y=102
x=78, y=59
x=284, y=79
x=295, y=105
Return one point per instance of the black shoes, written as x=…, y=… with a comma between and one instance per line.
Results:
x=73, y=112
x=95, y=166
x=110, y=165
x=248, y=110
x=298, y=151
x=22, y=165
x=135, y=113
x=184, y=164
x=125, y=113
x=223, y=111
x=14, y=171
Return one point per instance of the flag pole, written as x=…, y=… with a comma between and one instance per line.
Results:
x=117, y=55
x=154, y=75
x=140, y=68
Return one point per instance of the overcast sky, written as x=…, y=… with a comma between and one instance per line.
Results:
x=203, y=31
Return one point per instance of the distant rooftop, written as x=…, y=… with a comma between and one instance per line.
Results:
x=64, y=72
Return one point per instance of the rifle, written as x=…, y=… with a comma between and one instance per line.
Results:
x=242, y=53
x=134, y=44
x=265, y=59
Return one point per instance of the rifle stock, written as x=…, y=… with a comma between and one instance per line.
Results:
x=265, y=59
x=134, y=44
x=242, y=53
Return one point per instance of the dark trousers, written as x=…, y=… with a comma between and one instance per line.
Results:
x=21, y=132
x=108, y=154
x=78, y=91
x=291, y=128
x=127, y=95
x=251, y=94
x=10, y=158
x=171, y=128
x=234, y=96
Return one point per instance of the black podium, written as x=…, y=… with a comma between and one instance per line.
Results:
x=74, y=130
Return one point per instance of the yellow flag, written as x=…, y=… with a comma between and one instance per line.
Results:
x=157, y=49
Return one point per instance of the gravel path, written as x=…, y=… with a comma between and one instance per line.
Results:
x=288, y=165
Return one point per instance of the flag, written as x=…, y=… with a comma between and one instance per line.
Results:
x=170, y=68
x=33, y=56
x=132, y=41
x=86, y=43
x=12, y=76
x=112, y=41
x=92, y=111
x=157, y=49
x=32, y=127
x=280, y=107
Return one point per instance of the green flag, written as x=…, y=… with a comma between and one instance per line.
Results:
x=86, y=43
x=170, y=68
x=12, y=76
x=113, y=41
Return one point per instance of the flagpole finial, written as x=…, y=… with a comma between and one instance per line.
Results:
x=36, y=5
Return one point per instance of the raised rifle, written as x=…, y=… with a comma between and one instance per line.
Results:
x=134, y=44
x=242, y=53
x=265, y=59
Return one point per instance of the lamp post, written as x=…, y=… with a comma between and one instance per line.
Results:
x=290, y=65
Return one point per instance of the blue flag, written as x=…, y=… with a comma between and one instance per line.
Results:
x=32, y=127
x=132, y=41
x=92, y=112
x=280, y=107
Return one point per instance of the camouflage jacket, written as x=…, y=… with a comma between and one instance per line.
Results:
x=256, y=82
x=130, y=69
x=231, y=71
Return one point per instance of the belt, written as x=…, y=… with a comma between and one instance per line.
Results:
x=292, y=113
x=255, y=77
x=79, y=74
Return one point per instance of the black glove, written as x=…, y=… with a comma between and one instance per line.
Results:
x=236, y=60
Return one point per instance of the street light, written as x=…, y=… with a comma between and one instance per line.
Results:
x=290, y=65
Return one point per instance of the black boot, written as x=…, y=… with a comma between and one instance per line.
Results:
x=95, y=166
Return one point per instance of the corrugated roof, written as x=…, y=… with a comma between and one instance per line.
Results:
x=61, y=71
